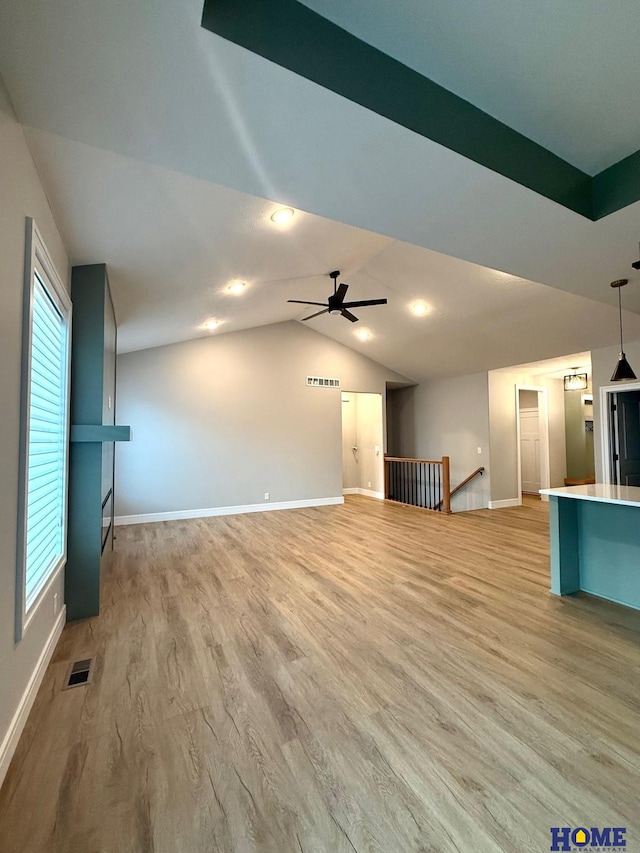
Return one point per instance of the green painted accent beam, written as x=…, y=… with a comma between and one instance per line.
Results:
x=617, y=187
x=100, y=433
x=297, y=38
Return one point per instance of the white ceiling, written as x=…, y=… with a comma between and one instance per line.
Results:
x=159, y=142
x=174, y=243
x=554, y=368
x=565, y=74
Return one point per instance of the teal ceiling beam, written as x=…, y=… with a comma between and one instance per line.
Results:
x=617, y=186
x=297, y=38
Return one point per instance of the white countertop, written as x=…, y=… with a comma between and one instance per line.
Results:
x=602, y=492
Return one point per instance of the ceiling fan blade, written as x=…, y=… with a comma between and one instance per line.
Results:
x=364, y=302
x=302, y=302
x=349, y=315
x=311, y=316
x=341, y=292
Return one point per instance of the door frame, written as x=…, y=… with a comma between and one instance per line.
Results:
x=379, y=495
x=606, y=425
x=543, y=420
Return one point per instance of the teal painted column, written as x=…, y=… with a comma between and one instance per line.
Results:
x=92, y=437
x=565, y=545
x=82, y=576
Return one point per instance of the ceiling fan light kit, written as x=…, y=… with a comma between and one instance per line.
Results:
x=335, y=304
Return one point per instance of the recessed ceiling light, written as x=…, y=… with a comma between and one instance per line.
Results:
x=363, y=334
x=283, y=215
x=236, y=287
x=210, y=325
x=420, y=309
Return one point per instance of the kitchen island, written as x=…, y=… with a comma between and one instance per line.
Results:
x=595, y=541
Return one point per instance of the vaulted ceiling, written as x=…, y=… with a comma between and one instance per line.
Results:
x=164, y=148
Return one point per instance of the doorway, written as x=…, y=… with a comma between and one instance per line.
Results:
x=362, y=452
x=532, y=445
x=621, y=435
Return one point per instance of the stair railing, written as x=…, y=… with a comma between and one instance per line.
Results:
x=424, y=483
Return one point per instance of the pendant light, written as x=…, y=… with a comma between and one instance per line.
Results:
x=575, y=381
x=623, y=369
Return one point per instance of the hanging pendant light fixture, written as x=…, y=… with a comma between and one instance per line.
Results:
x=575, y=381
x=623, y=369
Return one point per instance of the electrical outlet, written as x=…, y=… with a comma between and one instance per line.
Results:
x=266, y=496
x=479, y=451
x=55, y=603
x=368, y=485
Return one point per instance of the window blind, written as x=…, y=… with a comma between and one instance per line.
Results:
x=47, y=438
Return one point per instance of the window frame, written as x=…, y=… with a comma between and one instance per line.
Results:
x=38, y=260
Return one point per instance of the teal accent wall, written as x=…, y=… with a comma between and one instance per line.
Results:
x=609, y=536
x=91, y=474
x=595, y=548
x=297, y=38
x=565, y=553
x=82, y=574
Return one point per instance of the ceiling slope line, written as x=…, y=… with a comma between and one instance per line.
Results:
x=297, y=38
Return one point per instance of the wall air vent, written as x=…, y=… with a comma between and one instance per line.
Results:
x=79, y=673
x=322, y=382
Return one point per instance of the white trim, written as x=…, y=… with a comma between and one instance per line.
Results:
x=16, y=727
x=543, y=420
x=224, y=510
x=504, y=504
x=605, y=423
x=368, y=493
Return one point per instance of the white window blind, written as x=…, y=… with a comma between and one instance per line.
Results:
x=42, y=523
x=46, y=443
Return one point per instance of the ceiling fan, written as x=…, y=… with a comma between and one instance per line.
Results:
x=336, y=304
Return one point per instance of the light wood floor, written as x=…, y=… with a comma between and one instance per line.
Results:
x=357, y=678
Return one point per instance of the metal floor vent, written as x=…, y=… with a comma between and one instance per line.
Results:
x=79, y=673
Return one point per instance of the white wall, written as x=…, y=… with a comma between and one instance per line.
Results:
x=219, y=421
x=21, y=195
x=603, y=363
x=447, y=417
x=503, y=432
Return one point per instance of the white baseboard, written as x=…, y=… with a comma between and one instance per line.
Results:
x=368, y=493
x=16, y=727
x=504, y=504
x=224, y=510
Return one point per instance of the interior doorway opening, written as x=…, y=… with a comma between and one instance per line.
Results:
x=621, y=434
x=532, y=446
x=362, y=445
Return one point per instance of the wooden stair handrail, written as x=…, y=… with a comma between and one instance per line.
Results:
x=411, y=459
x=445, y=503
x=461, y=485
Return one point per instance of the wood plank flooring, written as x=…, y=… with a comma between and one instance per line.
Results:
x=358, y=678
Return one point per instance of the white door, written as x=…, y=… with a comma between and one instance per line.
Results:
x=530, y=450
